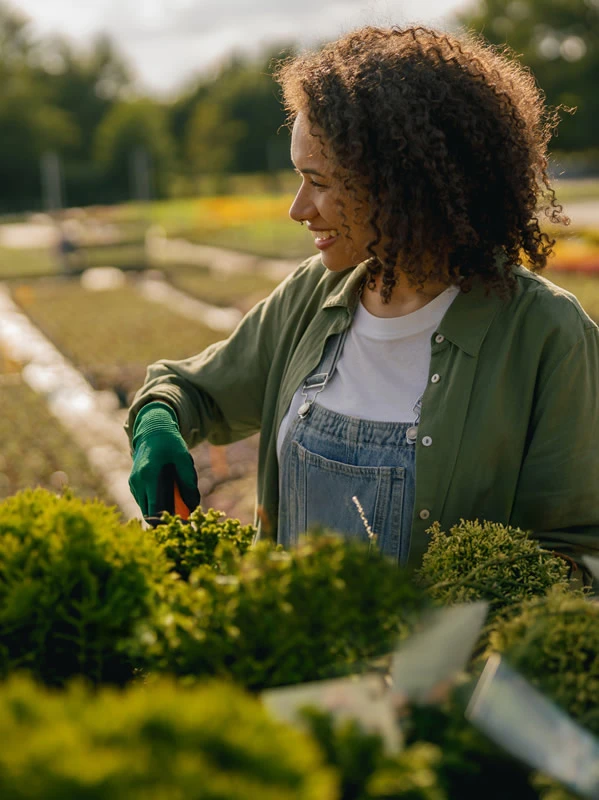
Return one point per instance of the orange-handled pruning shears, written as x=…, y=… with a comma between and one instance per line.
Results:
x=168, y=497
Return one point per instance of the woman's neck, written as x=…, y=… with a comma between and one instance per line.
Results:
x=404, y=299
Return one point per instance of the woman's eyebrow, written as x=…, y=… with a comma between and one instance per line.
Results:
x=308, y=171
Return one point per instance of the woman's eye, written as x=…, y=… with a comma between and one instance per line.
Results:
x=312, y=182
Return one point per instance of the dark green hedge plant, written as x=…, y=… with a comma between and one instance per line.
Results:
x=365, y=771
x=74, y=582
x=554, y=643
x=469, y=764
x=488, y=561
x=192, y=544
x=154, y=742
x=283, y=617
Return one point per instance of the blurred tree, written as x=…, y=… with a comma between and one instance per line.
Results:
x=131, y=127
x=15, y=39
x=559, y=41
x=212, y=137
x=234, y=123
x=30, y=124
x=85, y=84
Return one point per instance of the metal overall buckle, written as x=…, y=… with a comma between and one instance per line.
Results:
x=412, y=431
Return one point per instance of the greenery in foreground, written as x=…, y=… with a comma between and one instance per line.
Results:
x=86, y=600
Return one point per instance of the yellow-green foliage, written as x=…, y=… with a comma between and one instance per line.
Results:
x=554, y=643
x=280, y=618
x=488, y=561
x=74, y=582
x=469, y=764
x=193, y=544
x=365, y=770
x=155, y=742
x=413, y=775
x=550, y=789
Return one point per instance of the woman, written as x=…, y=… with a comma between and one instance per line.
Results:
x=412, y=368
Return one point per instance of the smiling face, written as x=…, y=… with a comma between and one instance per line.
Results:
x=317, y=202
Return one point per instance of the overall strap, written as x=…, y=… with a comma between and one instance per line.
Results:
x=315, y=383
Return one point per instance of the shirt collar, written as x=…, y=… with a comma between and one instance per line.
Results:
x=348, y=294
x=469, y=317
x=465, y=323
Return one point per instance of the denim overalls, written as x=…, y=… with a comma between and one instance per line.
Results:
x=327, y=458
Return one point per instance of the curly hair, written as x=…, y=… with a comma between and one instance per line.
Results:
x=448, y=135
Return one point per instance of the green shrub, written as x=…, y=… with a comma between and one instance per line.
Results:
x=193, y=544
x=281, y=618
x=74, y=582
x=413, y=775
x=488, y=561
x=550, y=789
x=365, y=771
x=470, y=765
x=554, y=643
x=354, y=753
x=155, y=742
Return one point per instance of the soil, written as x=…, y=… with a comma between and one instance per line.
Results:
x=227, y=477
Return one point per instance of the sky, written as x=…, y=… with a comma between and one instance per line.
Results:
x=167, y=42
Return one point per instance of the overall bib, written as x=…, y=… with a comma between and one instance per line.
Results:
x=327, y=458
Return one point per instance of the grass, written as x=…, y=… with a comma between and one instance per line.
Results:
x=570, y=191
x=29, y=262
x=111, y=335
x=39, y=262
x=268, y=239
x=36, y=449
x=125, y=256
x=222, y=289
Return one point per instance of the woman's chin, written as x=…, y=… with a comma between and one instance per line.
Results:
x=337, y=262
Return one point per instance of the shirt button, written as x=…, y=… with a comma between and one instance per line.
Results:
x=439, y=338
x=424, y=514
x=435, y=378
x=427, y=441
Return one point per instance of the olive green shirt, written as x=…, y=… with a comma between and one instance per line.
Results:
x=508, y=433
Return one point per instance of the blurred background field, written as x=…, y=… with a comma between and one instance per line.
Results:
x=102, y=167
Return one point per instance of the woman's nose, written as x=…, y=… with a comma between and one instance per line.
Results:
x=301, y=208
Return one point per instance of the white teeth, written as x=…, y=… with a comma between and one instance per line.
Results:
x=322, y=235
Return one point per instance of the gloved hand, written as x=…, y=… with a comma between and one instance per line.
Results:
x=160, y=456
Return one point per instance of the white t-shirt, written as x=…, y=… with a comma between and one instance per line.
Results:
x=383, y=367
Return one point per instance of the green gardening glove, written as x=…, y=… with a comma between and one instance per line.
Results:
x=161, y=458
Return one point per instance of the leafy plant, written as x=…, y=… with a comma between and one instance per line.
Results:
x=279, y=618
x=413, y=775
x=365, y=771
x=549, y=789
x=470, y=765
x=154, y=742
x=488, y=561
x=193, y=544
x=354, y=753
x=74, y=582
x=554, y=643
